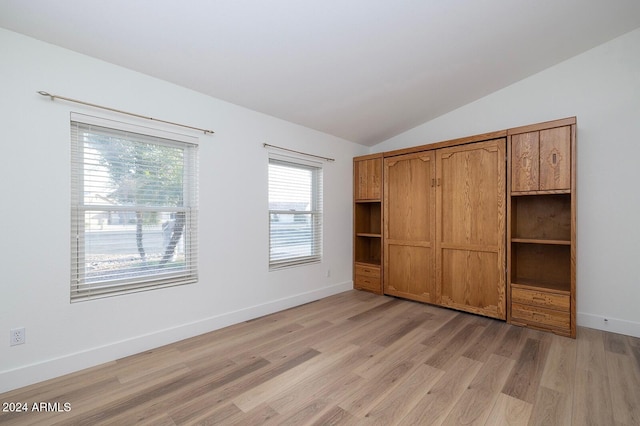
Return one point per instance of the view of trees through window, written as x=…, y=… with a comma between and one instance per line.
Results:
x=132, y=217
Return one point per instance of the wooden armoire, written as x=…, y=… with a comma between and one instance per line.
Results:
x=483, y=224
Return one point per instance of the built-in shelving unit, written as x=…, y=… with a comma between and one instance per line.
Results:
x=541, y=253
x=367, y=218
x=440, y=223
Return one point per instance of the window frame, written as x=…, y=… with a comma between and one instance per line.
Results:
x=82, y=289
x=315, y=213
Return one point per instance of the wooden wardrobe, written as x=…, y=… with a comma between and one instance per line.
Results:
x=483, y=224
x=444, y=227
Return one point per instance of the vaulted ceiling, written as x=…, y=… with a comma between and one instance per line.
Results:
x=363, y=70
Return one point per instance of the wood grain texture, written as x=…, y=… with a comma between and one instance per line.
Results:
x=356, y=359
x=367, y=221
x=525, y=162
x=541, y=253
x=367, y=173
x=471, y=227
x=409, y=226
x=555, y=158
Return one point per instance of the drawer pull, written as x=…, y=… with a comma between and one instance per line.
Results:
x=539, y=299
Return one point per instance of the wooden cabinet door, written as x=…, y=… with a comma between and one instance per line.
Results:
x=409, y=226
x=368, y=179
x=525, y=162
x=470, y=236
x=555, y=159
x=541, y=160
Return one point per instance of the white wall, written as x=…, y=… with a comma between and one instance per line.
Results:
x=602, y=88
x=234, y=285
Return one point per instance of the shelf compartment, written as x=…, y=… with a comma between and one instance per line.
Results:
x=543, y=266
x=368, y=250
x=541, y=217
x=368, y=218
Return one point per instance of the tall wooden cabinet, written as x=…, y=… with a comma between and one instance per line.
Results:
x=444, y=227
x=542, y=230
x=484, y=224
x=367, y=223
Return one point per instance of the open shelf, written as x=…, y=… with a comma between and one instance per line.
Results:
x=368, y=250
x=368, y=218
x=541, y=219
x=545, y=266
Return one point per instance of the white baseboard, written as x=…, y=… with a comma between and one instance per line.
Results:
x=45, y=370
x=613, y=325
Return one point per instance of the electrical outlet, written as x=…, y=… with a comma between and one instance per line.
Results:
x=17, y=336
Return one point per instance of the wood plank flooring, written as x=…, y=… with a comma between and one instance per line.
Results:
x=356, y=359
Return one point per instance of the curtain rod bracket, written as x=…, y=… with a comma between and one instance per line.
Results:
x=53, y=97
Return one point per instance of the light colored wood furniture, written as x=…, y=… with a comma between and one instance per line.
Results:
x=471, y=226
x=367, y=223
x=444, y=227
x=409, y=226
x=368, y=178
x=542, y=226
x=483, y=224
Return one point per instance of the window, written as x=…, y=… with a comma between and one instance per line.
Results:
x=295, y=213
x=133, y=208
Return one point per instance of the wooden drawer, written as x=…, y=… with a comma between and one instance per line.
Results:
x=540, y=316
x=368, y=271
x=364, y=282
x=541, y=298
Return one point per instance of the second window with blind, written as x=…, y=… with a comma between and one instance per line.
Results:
x=295, y=212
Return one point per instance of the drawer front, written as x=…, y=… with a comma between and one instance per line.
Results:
x=541, y=298
x=368, y=283
x=368, y=271
x=540, y=316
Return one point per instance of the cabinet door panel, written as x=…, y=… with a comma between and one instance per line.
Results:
x=469, y=281
x=409, y=201
x=368, y=179
x=525, y=162
x=409, y=226
x=472, y=224
x=409, y=272
x=555, y=158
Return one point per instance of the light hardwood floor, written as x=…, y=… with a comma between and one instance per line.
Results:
x=357, y=358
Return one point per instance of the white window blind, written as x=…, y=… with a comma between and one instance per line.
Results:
x=295, y=213
x=134, y=209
